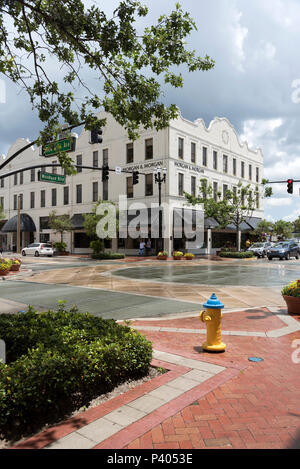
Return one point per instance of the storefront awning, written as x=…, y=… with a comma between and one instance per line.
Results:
x=26, y=224
x=77, y=221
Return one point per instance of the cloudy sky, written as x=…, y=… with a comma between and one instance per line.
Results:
x=255, y=84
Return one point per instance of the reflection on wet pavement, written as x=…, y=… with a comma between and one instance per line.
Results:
x=237, y=275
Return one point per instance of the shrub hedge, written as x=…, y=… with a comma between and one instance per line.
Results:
x=238, y=255
x=108, y=255
x=57, y=361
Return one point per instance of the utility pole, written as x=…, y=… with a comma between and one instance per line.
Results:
x=19, y=226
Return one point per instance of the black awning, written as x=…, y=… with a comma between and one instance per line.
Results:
x=26, y=224
x=77, y=221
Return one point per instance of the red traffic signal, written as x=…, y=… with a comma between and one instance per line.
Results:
x=290, y=186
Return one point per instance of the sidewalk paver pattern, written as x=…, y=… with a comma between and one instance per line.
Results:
x=204, y=400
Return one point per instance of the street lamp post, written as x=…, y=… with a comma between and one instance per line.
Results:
x=159, y=179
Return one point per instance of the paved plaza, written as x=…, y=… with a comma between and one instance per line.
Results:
x=203, y=400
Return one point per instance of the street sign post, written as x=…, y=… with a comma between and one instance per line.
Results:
x=50, y=177
x=65, y=144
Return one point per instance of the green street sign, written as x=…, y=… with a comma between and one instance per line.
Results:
x=66, y=144
x=50, y=177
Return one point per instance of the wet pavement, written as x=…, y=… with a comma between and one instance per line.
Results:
x=257, y=274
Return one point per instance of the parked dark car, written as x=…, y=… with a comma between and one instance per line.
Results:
x=284, y=250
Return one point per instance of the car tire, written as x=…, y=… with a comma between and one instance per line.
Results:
x=270, y=258
x=23, y=253
x=287, y=257
x=297, y=256
x=36, y=254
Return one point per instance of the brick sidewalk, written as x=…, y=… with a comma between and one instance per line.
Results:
x=204, y=400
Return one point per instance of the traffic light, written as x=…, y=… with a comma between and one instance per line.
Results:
x=290, y=186
x=135, y=177
x=105, y=173
x=96, y=136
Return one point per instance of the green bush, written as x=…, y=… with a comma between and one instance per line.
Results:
x=57, y=361
x=108, y=255
x=60, y=246
x=238, y=255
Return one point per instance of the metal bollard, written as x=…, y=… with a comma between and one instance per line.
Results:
x=211, y=316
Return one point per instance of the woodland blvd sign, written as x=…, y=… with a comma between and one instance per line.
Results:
x=54, y=178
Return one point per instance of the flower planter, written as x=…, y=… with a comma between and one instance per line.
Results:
x=177, y=258
x=15, y=268
x=162, y=258
x=3, y=272
x=293, y=304
x=63, y=253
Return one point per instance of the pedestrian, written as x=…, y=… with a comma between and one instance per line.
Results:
x=248, y=243
x=142, y=248
x=148, y=247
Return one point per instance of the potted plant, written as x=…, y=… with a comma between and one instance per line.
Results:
x=291, y=295
x=162, y=255
x=177, y=255
x=5, y=265
x=189, y=256
x=15, y=266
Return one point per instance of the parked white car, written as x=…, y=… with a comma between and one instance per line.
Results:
x=260, y=249
x=39, y=249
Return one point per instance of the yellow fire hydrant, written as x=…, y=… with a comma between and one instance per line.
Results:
x=211, y=316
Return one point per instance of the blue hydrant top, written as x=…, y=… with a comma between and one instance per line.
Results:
x=213, y=303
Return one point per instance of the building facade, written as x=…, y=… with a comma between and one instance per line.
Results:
x=187, y=150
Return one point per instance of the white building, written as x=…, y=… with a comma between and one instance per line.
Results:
x=188, y=150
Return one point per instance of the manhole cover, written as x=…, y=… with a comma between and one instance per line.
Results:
x=255, y=359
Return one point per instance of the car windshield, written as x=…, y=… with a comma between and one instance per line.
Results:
x=257, y=245
x=47, y=245
x=282, y=245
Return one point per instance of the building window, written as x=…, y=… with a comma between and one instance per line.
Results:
x=250, y=172
x=105, y=157
x=32, y=175
x=242, y=169
x=21, y=201
x=225, y=164
x=149, y=148
x=54, y=168
x=215, y=191
x=95, y=159
x=16, y=179
x=180, y=183
x=32, y=199
x=129, y=152
x=21, y=178
x=15, y=202
x=215, y=160
x=225, y=189
x=204, y=156
x=79, y=163
x=53, y=197
x=43, y=198
x=193, y=186
x=2, y=202
x=180, y=148
x=44, y=223
x=149, y=184
x=66, y=195
x=234, y=166
x=257, y=174
x=2, y=182
x=193, y=152
x=129, y=188
x=79, y=194
x=95, y=192
x=257, y=199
